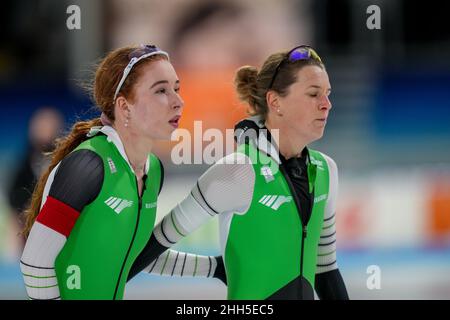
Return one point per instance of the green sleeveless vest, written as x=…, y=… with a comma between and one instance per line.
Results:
x=263, y=252
x=111, y=231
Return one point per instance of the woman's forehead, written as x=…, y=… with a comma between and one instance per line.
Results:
x=159, y=70
x=312, y=75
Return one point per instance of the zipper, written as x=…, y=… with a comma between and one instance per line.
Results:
x=144, y=178
x=297, y=204
x=304, y=234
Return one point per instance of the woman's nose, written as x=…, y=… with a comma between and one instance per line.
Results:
x=178, y=103
x=325, y=102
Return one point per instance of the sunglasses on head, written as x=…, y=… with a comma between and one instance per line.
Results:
x=302, y=52
x=144, y=51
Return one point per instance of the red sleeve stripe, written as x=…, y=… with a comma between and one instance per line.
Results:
x=58, y=216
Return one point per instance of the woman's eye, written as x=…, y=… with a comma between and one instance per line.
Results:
x=313, y=94
x=161, y=91
x=177, y=90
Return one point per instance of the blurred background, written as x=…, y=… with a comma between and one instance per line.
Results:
x=389, y=129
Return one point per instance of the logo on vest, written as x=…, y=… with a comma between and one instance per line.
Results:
x=118, y=204
x=267, y=173
x=150, y=205
x=112, y=166
x=320, y=198
x=318, y=163
x=274, y=201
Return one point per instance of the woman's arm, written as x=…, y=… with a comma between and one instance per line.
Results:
x=62, y=203
x=329, y=284
x=175, y=263
x=227, y=186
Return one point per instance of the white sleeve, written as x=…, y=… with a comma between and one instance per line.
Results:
x=38, y=262
x=175, y=263
x=38, y=258
x=227, y=186
x=326, y=259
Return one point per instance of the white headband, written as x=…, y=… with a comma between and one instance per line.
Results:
x=130, y=65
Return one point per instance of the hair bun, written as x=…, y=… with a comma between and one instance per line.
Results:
x=245, y=83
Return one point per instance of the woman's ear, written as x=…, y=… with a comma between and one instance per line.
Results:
x=123, y=106
x=273, y=102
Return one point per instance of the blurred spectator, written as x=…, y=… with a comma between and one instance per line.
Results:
x=44, y=127
x=229, y=33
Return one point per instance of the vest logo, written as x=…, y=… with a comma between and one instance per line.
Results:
x=112, y=166
x=320, y=198
x=318, y=163
x=150, y=205
x=118, y=204
x=267, y=173
x=274, y=201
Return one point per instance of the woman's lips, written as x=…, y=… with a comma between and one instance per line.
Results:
x=174, y=122
x=322, y=121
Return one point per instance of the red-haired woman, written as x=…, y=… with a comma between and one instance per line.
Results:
x=93, y=210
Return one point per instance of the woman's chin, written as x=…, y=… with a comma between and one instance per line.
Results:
x=316, y=135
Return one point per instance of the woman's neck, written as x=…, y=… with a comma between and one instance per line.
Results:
x=136, y=149
x=289, y=144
